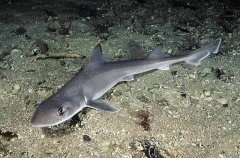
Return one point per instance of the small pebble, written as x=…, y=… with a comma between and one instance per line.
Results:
x=198, y=105
x=225, y=105
x=69, y=155
x=143, y=99
x=24, y=155
x=15, y=51
x=105, y=146
x=207, y=93
x=192, y=75
x=45, y=93
x=30, y=90
x=222, y=100
x=138, y=155
x=204, y=72
x=174, y=73
x=138, y=146
x=237, y=100
x=16, y=89
x=170, y=51
x=86, y=138
x=8, y=89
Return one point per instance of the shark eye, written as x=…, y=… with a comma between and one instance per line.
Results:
x=61, y=111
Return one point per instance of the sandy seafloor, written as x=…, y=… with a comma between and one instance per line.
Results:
x=194, y=111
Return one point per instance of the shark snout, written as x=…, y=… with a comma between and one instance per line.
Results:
x=43, y=118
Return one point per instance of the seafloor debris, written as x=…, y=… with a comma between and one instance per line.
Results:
x=149, y=146
x=56, y=55
x=42, y=47
x=65, y=28
x=224, y=75
x=204, y=72
x=4, y=149
x=19, y=31
x=40, y=50
x=152, y=149
x=146, y=119
x=51, y=28
x=8, y=135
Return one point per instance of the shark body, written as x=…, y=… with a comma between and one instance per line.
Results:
x=87, y=87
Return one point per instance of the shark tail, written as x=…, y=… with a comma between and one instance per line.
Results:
x=196, y=56
x=196, y=59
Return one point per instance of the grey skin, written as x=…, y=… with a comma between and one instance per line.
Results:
x=86, y=88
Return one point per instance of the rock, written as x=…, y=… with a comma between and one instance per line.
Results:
x=8, y=89
x=30, y=90
x=138, y=146
x=237, y=100
x=207, y=93
x=45, y=93
x=41, y=47
x=222, y=101
x=69, y=155
x=138, y=155
x=194, y=100
x=142, y=99
x=204, y=72
x=86, y=138
x=16, y=89
x=192, y=75
x=119, y=89
x=105, y=146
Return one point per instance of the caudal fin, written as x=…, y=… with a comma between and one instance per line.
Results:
x=196, y=56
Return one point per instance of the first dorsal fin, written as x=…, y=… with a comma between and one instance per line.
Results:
x=97, y=57
x=157, y=53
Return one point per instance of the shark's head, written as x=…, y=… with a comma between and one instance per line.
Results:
x=53, y=111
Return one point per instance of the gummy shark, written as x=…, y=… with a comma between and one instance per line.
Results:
x=86, y=88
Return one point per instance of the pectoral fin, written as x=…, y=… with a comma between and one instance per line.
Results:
x=101, y=105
